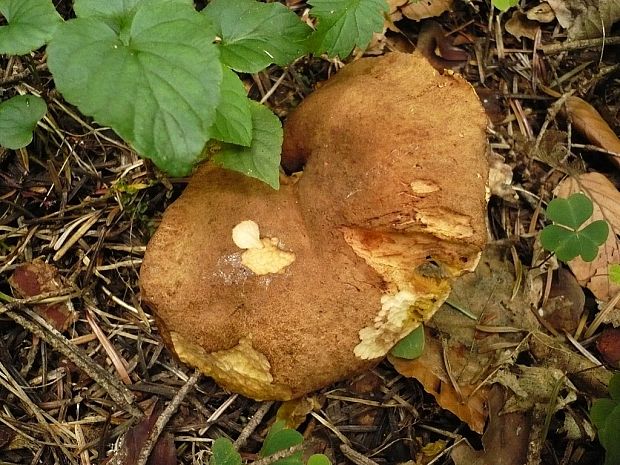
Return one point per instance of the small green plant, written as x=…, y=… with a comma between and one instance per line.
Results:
x=279, y=438
x=164, y=77
x=605, y=415
x=566, y=236
x=505, y=5
x=411, y=346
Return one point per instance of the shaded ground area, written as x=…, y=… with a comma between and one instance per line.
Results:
x=79, y=200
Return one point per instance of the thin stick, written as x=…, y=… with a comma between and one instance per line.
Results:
x=165, y=416
x=39, y=327
x=355, y=457
x=252, y=425
x=552, y=49
x=278, y=455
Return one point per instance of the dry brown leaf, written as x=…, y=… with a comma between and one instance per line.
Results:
x=473, y=354
x=594, y=275
x=520, y=26
x=565, y=303
x=542, y=13
x=425, y=8
x=586, y=19
x=38, y=277
x=429, y=370
x=164, y=452
x=294, y=412
x=591, y=124
x=497, y=450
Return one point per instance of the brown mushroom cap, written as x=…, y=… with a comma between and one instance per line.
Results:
x=389, y=209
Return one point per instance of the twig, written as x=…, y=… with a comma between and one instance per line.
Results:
x=39, y=327
x=252, y=425
x=165, y=416
x=278, y=455
x=355, y=457
x=13, y=78
x=552, y=49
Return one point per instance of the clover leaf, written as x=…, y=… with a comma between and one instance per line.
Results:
x=565, y=236
x=605, y=415
x=224, y=453
x=147, y=68
x=280, y=438
x=19, y=116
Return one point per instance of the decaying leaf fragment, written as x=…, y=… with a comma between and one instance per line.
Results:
x=462, y=352
x=391, y=190
x=586, y=19
x=591, y=124
x=38, y=277
x=606, y=199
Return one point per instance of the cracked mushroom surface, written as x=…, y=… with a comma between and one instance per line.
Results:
x=278, y=293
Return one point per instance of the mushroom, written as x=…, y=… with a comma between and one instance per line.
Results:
x=278, y=293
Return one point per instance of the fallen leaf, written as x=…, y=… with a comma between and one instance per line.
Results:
x=543, y=13
x=164, y=452
x=532, y=386
x=472, y=354
x=565, y=303
x=591, y=124
x=418, y=10
x=520, y=26
x=294, y=412
x=586, y=19
x=606, y=199
x=38, y=277
x=497, y=449
x=500, y=179
x=608, y=345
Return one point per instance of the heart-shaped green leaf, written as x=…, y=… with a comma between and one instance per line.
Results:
x=262, y=159
x=254, y=34
x=571, y=212
x=345, y=24
x=233, y=119
x=31, y=24
x=411, y=346
x=608, y=436
x=224, y=453
x=596, y=232
x=19, y=116
x=280, y=438
x=148, y=69
x=614, y=387
x=600, y=410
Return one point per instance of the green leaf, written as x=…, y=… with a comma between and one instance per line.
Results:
x=262, y=159
x=280, y=438
x=152, y=74
x=319, y=459
x=597, y=232
x=600, y=410
x=233, y=118
x=614, y=387
x=571, y=212
x=31, y=24
x=614, y=273
x=224, y=453
x=411, y=346
x=344, y=24
x=505, y=5
x=254, y=34
x=109, y=8
x=19, y=116
x=608, y=437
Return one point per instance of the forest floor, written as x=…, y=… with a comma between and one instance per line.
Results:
x=507, y=380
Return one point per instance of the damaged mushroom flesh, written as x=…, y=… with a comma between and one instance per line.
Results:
x=278, y=293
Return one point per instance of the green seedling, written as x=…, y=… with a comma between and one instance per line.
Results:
x=411, y=346
x=19, y=116
x=278, y=439
x=605, y=415
x=163, y=75
x=614, y=273
x=505, y=5
x=566, y=236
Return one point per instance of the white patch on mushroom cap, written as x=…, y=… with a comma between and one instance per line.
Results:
x=246, y=235
x=268, y=259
